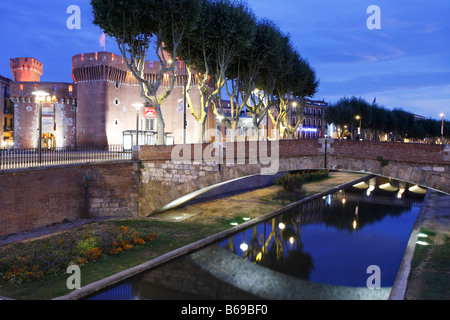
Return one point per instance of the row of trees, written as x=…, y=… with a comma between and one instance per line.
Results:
x=223, y=44
x=377, y=120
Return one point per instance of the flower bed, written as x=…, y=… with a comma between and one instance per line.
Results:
x=34, y=260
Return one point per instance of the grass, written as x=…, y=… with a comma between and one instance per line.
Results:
x=431, y=266
x=170, y=236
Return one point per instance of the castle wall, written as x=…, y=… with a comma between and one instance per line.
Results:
x=58, y=113
x=107, y=91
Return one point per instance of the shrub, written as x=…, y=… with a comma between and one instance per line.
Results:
x=33, y=260
x=292, y=184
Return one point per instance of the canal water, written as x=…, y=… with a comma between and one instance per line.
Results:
x=341, y=239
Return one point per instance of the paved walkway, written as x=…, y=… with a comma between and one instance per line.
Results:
x=411, y=281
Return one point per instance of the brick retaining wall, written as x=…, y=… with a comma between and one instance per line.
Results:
x=37, y=198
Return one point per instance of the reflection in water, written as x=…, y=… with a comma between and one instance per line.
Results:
x=334, y=239
x=331, y=240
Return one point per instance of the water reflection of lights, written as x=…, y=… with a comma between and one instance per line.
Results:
x=244, y=246
x=281, y=225
x=370, y=189
x=400, y=193
x=355, y=223
x=291, y=240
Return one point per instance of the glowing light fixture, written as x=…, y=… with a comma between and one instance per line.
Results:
x=309, y=129
x=417, y=189
x=361, y=185
x=281, y=225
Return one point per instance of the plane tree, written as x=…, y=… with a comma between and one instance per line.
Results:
x=304, y=84
x=139, y=26
x=259, y=64
x=294, y=80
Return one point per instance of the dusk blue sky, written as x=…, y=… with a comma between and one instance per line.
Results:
x=405, y=64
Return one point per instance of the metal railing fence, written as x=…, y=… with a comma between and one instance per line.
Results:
x=31, y=158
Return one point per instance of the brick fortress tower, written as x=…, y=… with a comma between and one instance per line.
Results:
x=26, y=69
x=106, y=92
x=58, y=109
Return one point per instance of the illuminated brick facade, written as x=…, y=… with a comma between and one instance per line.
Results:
x=107, y=92
x=97, y=108
x=26, y=69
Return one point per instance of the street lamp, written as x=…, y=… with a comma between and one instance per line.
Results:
x=137, y=106
x=359, y=128
x=442, y=127
x=40, y=95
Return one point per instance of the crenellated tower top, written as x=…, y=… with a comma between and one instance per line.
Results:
x=26, y=69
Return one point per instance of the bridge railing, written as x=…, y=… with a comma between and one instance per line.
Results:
x=11, y=159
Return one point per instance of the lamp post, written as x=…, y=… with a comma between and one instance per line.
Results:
x=184, y=103
x=359, y=128
x=137, y=106
x=40, y=95
x=442, y=127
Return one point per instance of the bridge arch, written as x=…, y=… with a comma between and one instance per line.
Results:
x=166, y=181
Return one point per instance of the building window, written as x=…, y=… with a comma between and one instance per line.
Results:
x=36, y=86
x=149, y=124
x=117, y=84
x=70, y=88
x=116, y=102
x=116, y=122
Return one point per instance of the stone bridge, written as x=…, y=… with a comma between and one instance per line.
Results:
x=171, y=175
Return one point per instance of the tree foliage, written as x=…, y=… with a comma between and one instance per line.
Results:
x=140, y=25
x=378, y=119
x=225, y=48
